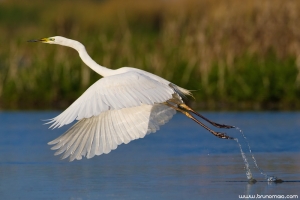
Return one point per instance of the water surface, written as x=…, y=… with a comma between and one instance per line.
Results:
x=180, y=161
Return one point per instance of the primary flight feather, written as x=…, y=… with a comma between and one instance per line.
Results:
x=124, y=105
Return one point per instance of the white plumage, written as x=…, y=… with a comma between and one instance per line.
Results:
x=101, y=134
x=125, y=105
x=130, y=89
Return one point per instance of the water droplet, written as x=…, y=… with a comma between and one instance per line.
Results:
x=248, y=172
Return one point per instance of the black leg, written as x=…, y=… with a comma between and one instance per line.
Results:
x=184, y=106
x=217, y=134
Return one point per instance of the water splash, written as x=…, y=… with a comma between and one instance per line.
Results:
x=248, y=172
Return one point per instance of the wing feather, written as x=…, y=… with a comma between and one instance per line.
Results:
x=103, y=133
x=121, y=127
x=81, y=142
x=96, y=146
x=130, y=89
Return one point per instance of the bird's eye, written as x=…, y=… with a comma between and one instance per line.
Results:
x=51, y=39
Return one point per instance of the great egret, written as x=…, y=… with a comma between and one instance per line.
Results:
x=125, y=105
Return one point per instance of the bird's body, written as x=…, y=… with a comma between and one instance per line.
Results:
x=124, y=105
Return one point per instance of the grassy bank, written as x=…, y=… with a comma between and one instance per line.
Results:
x=235, y=54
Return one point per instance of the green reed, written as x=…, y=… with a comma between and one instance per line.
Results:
x=235, y=55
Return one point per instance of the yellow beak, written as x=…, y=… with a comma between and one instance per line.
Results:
x=39, y=40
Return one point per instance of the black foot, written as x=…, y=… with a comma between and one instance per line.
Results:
x=279, y=181
x=223, y=136
x=223, y=126
x=252, y=181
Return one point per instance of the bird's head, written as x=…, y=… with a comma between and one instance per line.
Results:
x=61, y=41
x=51, y=40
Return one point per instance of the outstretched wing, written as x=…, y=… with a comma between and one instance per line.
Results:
x=126, y=90
x=103, y=133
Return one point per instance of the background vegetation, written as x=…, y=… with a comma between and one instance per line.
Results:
x=235, y=54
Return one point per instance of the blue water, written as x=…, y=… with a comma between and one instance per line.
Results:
x=180, y=161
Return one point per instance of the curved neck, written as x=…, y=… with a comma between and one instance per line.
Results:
x=103, y=71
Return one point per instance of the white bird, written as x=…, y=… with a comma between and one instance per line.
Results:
x=124, y=105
